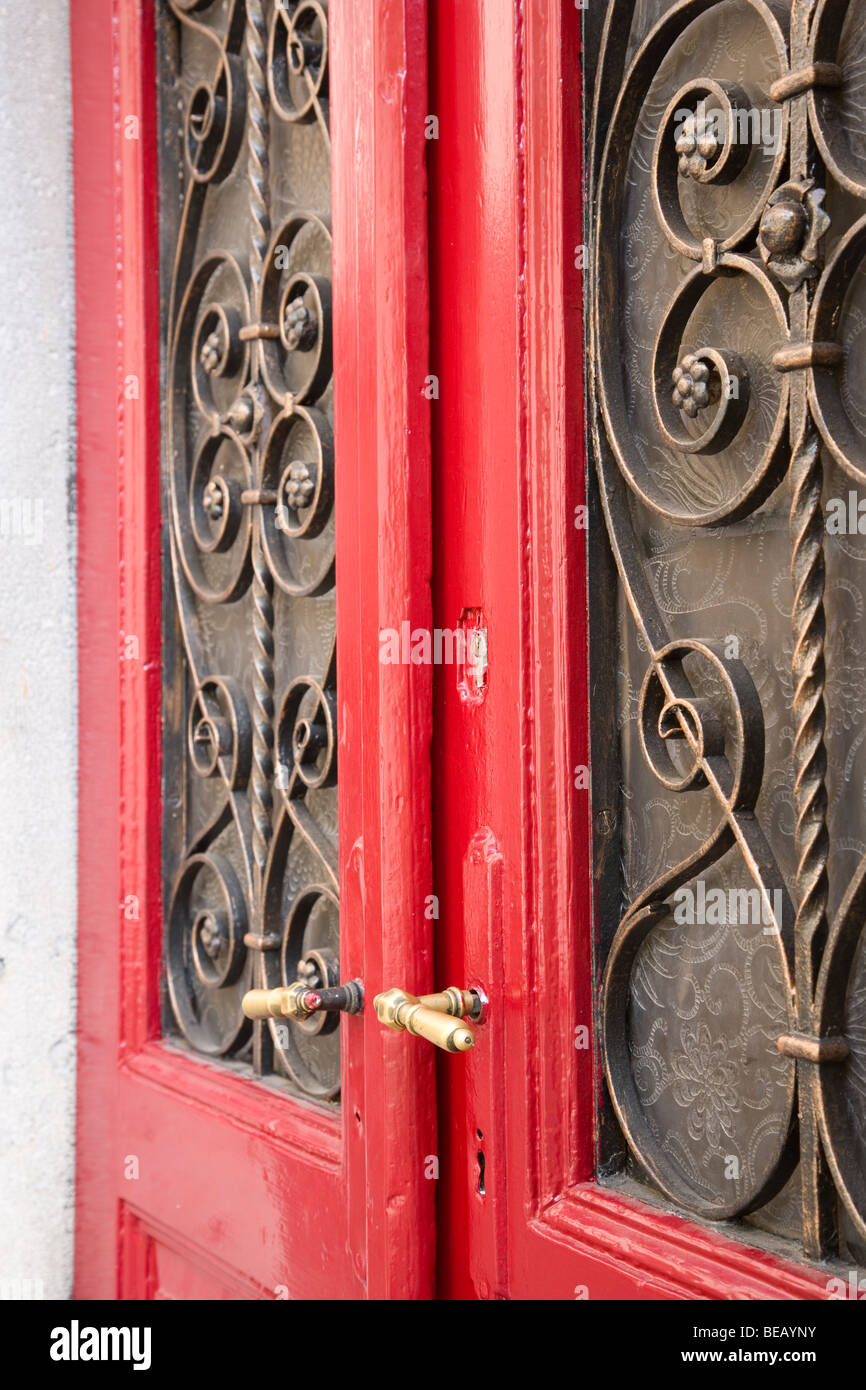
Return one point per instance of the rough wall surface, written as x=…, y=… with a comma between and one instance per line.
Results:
x=37, y=655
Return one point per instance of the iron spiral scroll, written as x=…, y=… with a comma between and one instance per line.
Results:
x=725, y=325
x=251, y=756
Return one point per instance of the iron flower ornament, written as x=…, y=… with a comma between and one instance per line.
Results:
x=791, y=230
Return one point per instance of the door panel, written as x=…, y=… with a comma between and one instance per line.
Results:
x=519, y=849
x=196, y=1177
x=251, y=877
x=731, y=989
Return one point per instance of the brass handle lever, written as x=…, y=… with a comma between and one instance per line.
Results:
x=436, y=1017
x=298, y=1001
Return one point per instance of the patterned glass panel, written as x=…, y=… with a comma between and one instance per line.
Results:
x=729, y=417
x=250, y=843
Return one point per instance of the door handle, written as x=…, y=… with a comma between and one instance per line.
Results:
x=436, y=1017
x=298, y=1001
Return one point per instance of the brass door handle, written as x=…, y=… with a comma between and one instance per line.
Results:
x=436, y=1017
x=299, y=1000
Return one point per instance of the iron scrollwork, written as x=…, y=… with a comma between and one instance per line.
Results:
x=251, y=749
x=728, y=261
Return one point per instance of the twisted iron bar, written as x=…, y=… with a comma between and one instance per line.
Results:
x=263, y=581
x=809, y=672
x=257, y=140
x=811, y=839
x=263, y=706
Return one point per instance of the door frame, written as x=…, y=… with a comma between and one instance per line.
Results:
x=387, y=1247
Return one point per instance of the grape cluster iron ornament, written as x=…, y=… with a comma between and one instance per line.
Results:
x=250, y=694
x=696, y=428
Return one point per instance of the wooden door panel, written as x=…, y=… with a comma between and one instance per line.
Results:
x=158, y=1264
x=509, y=243
x=750, y=187
x=195, y=1180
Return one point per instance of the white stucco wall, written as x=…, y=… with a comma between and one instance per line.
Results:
x=37, y=654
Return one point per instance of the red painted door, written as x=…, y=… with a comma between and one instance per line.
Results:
x=196, y=1180
x=527, y=1191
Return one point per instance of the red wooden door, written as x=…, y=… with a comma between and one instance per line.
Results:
x=194, y=1181
x=520, y=1190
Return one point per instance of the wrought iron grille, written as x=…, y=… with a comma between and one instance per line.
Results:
x=250, y=842
x=728, y=191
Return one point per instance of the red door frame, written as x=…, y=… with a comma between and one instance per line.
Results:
x=252, y=1190
x=511, y=831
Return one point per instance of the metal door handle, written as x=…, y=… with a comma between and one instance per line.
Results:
x=436, y=1017
x=299, y=1000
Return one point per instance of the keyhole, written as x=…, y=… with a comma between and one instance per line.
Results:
x=480, y=1157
